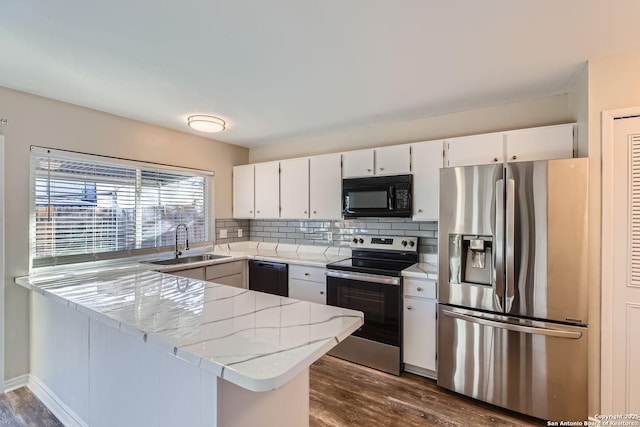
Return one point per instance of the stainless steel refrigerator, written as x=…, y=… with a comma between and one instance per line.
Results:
x=512, y=288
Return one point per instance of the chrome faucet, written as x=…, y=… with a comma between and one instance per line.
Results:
x=186, y=238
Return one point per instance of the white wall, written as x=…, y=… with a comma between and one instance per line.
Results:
x=40, y=121
x=535, y=112
x=579, y=108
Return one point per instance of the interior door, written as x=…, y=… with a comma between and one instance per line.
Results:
x=624, y=226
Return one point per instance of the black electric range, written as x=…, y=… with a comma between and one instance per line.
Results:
x=370, y=281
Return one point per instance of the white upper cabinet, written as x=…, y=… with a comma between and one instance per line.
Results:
x=267, y=190
x=393, y=160
x=522, y=145
x=542, y=143
x=243, y=191
x=475, y=150
x=325, y=186
x=426, y=161
x=294, y=188
x=357, y=163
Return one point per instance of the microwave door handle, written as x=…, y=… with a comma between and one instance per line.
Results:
x=391, y=196
x=346, y=204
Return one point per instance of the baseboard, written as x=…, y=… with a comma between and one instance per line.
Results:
x=15, y=383
x=57, y=407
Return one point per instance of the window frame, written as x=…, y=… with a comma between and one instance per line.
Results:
x=209, y=205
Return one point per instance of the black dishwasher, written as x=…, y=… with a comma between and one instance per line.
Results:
x=269, y=277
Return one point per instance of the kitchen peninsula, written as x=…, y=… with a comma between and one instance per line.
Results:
x=137, y=347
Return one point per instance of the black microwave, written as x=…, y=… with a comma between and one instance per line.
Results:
x=384, y=196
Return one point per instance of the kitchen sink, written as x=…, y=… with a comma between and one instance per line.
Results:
x=188, y=259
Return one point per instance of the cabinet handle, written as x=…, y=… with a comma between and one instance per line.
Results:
x=419, y=210
x=368, y=170
x=409, y=307
x=495, y=159
x=315, y=212
x=305, y=211
x=321, y=292
x=307, y=274
x=381, y=169
x=419, y=289
x=514, y=157
x=250, y=211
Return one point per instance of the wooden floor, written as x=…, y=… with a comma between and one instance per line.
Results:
x=21, y=408
x=342, y=395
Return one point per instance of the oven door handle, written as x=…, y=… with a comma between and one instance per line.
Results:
x=395, y=281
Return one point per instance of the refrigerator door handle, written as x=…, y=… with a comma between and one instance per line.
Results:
x=498, y=280
x=510, y=244
x=515, y=328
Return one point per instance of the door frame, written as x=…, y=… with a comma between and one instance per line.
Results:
x=2, y=270
x=607, y=244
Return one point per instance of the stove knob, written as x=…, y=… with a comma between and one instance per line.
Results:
x=404, y=243
x=355, y=241
x=412, y=243
x=361, y=241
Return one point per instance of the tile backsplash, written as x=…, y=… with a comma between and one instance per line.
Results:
x=231, y=226
x=340, y=232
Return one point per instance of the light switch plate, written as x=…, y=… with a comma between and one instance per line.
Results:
x=223, y=233
x=239, y=232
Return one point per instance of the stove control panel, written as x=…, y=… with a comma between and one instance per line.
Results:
x=389, y=243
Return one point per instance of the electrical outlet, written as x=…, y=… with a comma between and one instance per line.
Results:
x=239, y=232
x=223, y=234
x=329, y=236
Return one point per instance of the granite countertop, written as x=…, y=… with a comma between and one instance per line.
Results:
x=426, y=268
x=422, y=270
x=255, y=340
x=314, y=256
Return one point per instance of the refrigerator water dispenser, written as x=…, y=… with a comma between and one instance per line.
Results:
x=471, y=259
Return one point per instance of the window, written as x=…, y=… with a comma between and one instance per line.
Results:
x=87, y=207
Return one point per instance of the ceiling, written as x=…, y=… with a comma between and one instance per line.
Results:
x=279, y=70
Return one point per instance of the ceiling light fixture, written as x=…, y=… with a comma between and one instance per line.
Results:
x=203, y=123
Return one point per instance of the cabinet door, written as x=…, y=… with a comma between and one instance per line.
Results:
x=235, y=280
x=426, y=161
x=475, y=150
x=543, y=143
x=294, y=188
x=357, y=163
x=192, y=273
x=306, y=290
x=394, y=160
x=267, y=186
x=243, y=191
x=420, y=333
x=325, y=186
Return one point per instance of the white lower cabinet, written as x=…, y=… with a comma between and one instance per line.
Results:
x=307, y=284
x=419, y=327
x=226, y=273
x=192, y=273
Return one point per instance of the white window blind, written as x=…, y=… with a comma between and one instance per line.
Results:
x=89, y=207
